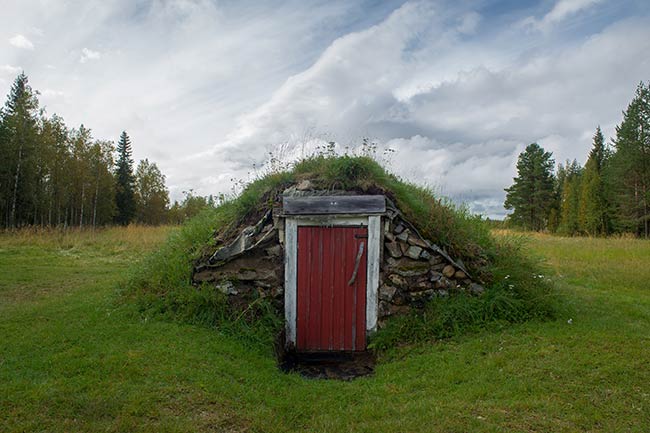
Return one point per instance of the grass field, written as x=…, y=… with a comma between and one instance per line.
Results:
x=72, y=358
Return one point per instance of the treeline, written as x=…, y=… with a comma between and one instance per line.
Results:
x=610, y=194
x=52, y=175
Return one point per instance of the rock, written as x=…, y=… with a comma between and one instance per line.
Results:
x=414, y=252
x=404, y=247
x=424, y=255
x=227, y=287
x=247, y=275
x=384, y=308
x=435, y=276
x=397, y=280
x=460, y=275
x=476, y=289
x=448, y=271
x=421, y=285
x=386, y=292
x=412, y=271
x=443, y=293
x=398, y=229
x=393, y=249
x=415, y=240
x=274, y=251
x=435, y=259
x=389, y=236
x=399, y=298
x=304, y=185
x=442, y=283
x=422, y=295
x=439, y=267
x=404, y=236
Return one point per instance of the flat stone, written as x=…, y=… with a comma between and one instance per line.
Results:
x=448, y=271
x=397, y=280
x=304, y=185
x=417, y=241
x=399, y=228
x=439, y=267
x=421, y=285
x=460, y=275
x=386, y=292
x=394, y=249
x=414, y=252
x=384, y=308
x=274, y=251
x=435, y=259
x=404, y=247
x=227, y=287
x=399, y=298
x=442, y=283
x=412, y=272
x=423, y=294
x=247, y=275
x=424, y=255
x=404, y=236
x=435, y=276
x=389, y=236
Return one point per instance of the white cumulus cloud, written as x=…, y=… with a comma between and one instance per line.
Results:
x=10, y=70
x=20, y=41
x=88, y=54
x=562, y=10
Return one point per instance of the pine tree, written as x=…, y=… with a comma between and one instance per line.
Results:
x=628, y=171
x=18, y=143
x=125, y=192
x=531, y=195
x=593, y=207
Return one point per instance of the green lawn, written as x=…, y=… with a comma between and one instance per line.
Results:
x=72, y=359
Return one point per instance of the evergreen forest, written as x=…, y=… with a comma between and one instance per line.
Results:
x=54, y=175
x=610, y=194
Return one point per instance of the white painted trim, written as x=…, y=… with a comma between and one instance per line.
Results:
x=373, y=222
x=372, y=281
x=329, y=220
x=290, y=278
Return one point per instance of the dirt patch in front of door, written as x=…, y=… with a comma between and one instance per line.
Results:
x=329, y=365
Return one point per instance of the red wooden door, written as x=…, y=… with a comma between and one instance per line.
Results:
x=331, y=288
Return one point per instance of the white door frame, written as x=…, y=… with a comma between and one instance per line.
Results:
x=373, y=222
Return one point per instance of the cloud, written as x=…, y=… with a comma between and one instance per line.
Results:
x=562, y=10
x=206, y=89
x=463, y=133
x=88, y=54
x=51, y=93
x=10, y=70
x=468, y=23
x=20, y=41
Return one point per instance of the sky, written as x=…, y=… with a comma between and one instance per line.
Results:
x=454, y=89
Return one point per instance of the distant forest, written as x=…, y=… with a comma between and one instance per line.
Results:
x=52, y=175
x=609, y=195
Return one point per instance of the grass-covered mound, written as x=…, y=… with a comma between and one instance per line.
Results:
x=516, y=289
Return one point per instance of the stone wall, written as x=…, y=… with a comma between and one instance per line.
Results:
x=414, y=270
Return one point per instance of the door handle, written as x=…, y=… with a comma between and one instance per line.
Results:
x=356, y=265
